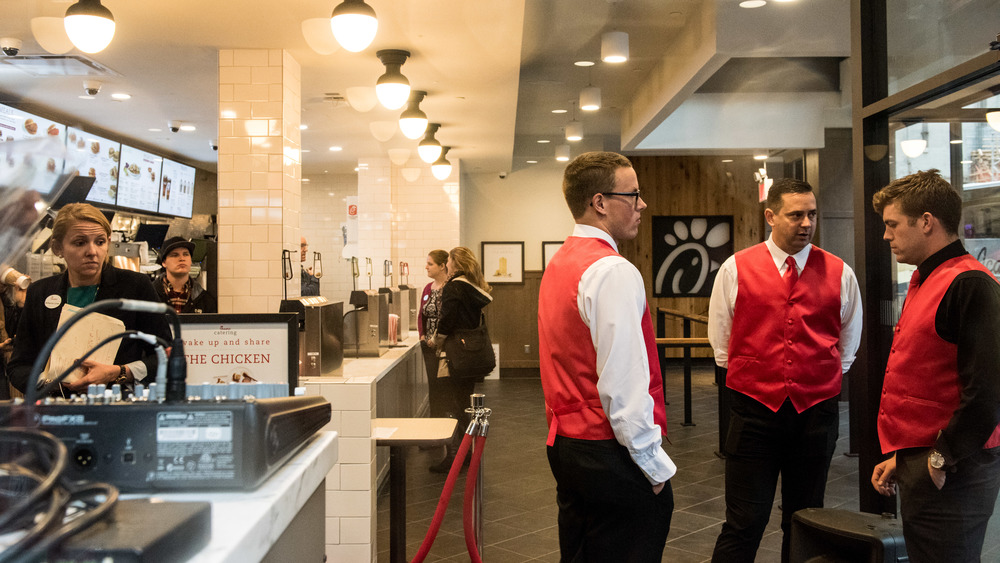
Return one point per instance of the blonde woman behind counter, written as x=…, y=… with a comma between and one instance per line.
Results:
x=80, y=235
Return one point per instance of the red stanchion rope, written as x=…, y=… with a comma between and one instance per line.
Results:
x=449, y=486
x=470, y=494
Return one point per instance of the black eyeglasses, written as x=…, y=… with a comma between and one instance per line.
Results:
x=634, y=194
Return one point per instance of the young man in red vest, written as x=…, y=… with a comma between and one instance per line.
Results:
x=941, y=394
x=601, y=376
x=785, y=320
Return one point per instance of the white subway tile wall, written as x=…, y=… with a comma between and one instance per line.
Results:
x=259, y=177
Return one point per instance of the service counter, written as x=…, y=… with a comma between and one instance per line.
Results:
x=282, y=520
x=393, y=385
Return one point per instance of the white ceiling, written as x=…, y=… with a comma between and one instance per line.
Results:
x=493, y=69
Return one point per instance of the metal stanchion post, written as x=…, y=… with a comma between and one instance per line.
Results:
x=481, y=415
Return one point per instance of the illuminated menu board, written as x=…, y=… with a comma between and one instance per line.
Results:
x=16, y=125
x=177, y=189
x=138, y=179
x=100, y=161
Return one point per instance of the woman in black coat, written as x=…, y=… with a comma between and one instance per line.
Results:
x=81, y=235
x=462, y=302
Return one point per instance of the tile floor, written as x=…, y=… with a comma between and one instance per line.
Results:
x=519, y=491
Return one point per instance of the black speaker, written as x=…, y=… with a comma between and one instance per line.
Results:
x=829, y=535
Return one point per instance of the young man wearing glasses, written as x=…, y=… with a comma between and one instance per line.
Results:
x=785, y=319
x=601, y=376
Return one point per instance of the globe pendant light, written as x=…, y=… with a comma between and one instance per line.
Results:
x=392, y=88
x=89, y=25
x=913, y=147
x=429, y=148
x=441, y=168
x=413, y=121
x=354, y=25
x=993, y=118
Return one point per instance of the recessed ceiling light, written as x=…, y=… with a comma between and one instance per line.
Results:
x=83, y=97
x=760, y=157
x=559, y=111
x=956, y=141
x=187, y=127
x=155, y=129
x=584, y=63
x=303, y=126
x=336, y=148
x=752, y=3
x=965, y=162
x=727, y=160
x=543, y=141
x=305, y=179
x=121, y=96
x=532, y=161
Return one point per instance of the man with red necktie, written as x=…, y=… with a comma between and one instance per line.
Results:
x=785, y=322
x=940, y=405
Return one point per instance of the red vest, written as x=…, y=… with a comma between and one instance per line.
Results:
x=568, y=359
x=784, y=344
x=921, y=389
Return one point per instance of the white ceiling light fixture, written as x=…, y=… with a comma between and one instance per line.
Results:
x=319, y=36
x=760, y=156
x=413, y=121
x=399, y=156
x=50, y=33
x=392, y=88
x=429, y=148
x=614, y=47
x=752, y=3
x=383, y=130
x=914, y=147
x=89, y=25
x=574, y=131
x=590, y=98
x=354, y=25
x=993, y=118
x=441, y=168
x=410, y=174
x=361, y=98
x=562, y=153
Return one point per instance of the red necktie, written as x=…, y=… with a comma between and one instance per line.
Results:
x=791, y=274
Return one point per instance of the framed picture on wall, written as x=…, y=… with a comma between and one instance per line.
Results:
x=549, y=248
x=503, y=262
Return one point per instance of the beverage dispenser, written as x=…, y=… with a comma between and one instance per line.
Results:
x=366, y=327
x=321, y=335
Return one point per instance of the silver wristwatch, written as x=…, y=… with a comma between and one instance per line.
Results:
x=936, y=459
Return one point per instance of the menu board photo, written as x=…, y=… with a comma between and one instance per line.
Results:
x=138, y=179
x=177, y=189
x=17, y=125
x=100, y=161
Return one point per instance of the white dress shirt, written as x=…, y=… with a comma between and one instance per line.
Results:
x=612, y=301
x=720, y=308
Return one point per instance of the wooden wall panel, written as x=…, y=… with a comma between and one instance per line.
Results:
x=513, y=321
x=670, y=185
x=693, y=185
